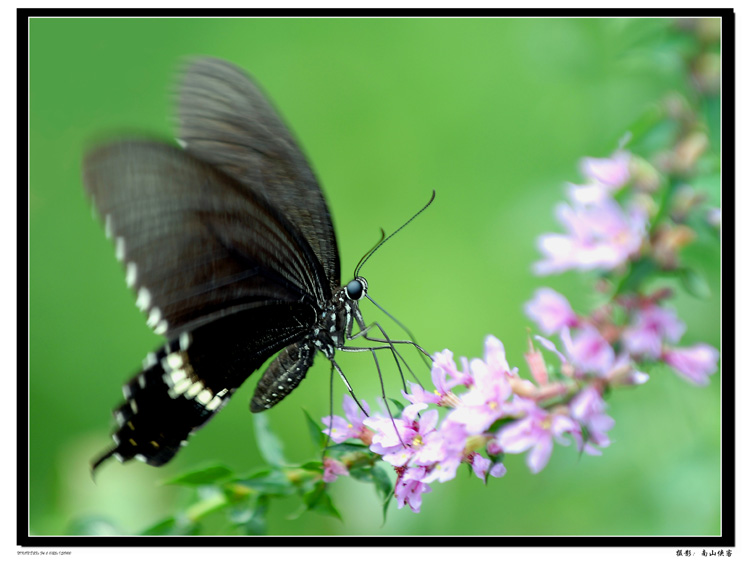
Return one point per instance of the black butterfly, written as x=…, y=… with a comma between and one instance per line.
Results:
x=229, y=246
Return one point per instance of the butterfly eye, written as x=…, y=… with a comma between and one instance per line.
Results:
x=354, y=290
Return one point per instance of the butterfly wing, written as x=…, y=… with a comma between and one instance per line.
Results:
x=195, y=244
x=186, y=382
x=224, y=119
x=216, y=269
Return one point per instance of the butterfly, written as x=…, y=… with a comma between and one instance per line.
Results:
x=228, y=244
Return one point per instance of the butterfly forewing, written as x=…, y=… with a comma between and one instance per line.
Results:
x=195, y=245
x=225, y=120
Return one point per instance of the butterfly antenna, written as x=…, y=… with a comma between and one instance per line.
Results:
x=370, y=251
x=384, y=240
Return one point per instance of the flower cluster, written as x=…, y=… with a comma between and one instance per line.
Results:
x=602, y=234
x=490, y=410
x=495, y=412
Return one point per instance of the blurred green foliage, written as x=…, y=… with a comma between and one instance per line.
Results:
x=493, y=114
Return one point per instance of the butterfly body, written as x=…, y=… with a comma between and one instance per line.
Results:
x=329, y=334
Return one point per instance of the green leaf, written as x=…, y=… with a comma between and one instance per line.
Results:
x=695, y=283
x=658, y=137
x=269, y=481
x=386, y=503
x=361, y=473
x=319, y=501
x=316, y=431
x=497, y=424
x=270, y=446
x=164, y=527
x=173, y=526
x=632, y=280
x=399, y=407
x=212, y=500
x=251, y=520
x=347, y=448
x=382, y=482
x=92, y=525
x=711, y=109
x=313, y=466
x=643, y=124
x=202, y=476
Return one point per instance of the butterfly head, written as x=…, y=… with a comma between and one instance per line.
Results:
x=356, y=288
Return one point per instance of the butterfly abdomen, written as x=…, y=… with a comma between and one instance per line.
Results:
x=283, y=375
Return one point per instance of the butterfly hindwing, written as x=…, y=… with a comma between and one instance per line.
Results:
x=183, y=384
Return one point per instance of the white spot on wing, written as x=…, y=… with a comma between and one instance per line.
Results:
x=194, y=389
x=108, y=226
x=141, y=381
x=204, y=397
x=120, y=248
x=177, y=376
x=185, y=339
x=130, y=274
x=153, y=317
x=143, y=302
x=182, y=386
x=134, y=406
x=174, y=360
x=161, y=327
x=149, y=361
x=141, y=458
x=118, y=456
x=181, y=142
x=214, y=403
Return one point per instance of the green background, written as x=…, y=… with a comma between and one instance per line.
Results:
x=493, y=114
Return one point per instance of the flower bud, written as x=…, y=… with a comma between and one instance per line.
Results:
x=687, y=152
x=667, y=242
x=707, y=72
x=685, y=199
x=645, y=177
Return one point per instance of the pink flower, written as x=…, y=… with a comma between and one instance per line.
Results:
x=550, y=310
x=651, y=327
x=588, y=408
x=588, y=351
x=332, y=469
x=694, y=363
x=536, y=431
x=445, y=376
x=397, y=440
x=624, y=373
x=612, y=172
x=600, y=235
x=481, y=465
x=351, y=428
x=442, y=452
x=409, y=488
x=587, y=194
x=483, y=403
x=444, y=372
